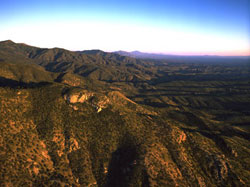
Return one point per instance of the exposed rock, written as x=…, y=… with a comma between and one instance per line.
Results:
x=35, y=169
x=78, y=97
x=99, y=110
x=84, y=97
x=182, y=137
x=105, y=170
x=92, y=184
x=117, y=100
x=73, y=98
x=73, y=145
x=178, y=135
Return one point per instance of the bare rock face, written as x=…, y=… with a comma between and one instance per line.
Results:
x=98, y=101
x=73, y=98
x=78, y=97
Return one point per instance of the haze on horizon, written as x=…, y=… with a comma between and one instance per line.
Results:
x=182, y=27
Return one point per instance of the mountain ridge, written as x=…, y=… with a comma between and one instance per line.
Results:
x=101, y=119
x=161, y=56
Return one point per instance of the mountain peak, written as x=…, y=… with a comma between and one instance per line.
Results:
x=8, y=42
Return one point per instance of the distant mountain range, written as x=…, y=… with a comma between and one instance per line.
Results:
x=138, y=54
x=159, y=56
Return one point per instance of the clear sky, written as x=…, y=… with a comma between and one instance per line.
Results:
x=188, y=27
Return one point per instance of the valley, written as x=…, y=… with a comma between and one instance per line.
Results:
x=91, y=118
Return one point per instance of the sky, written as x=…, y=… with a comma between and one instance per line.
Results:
x=181, y=27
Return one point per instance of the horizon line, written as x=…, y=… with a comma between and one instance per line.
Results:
x=209, y=54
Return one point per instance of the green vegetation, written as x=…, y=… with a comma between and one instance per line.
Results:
x=100, y=119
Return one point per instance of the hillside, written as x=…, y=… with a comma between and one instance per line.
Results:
x=91, y=118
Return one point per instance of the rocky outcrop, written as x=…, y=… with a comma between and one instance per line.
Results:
x=99, y=101
x=78, y=97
